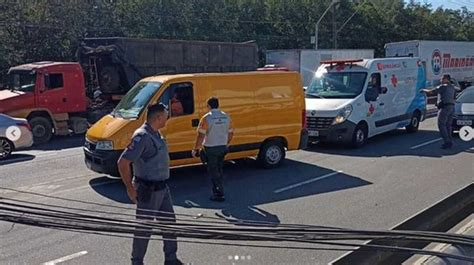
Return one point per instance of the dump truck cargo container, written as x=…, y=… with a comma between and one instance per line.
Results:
x=116, y=64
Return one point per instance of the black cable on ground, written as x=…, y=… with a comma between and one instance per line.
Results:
x=193, y=228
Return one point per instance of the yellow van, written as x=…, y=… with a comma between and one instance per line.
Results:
x=267, y=111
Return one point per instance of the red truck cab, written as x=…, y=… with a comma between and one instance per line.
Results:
x=50, y=95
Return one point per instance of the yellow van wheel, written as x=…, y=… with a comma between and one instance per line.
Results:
x=271, y=154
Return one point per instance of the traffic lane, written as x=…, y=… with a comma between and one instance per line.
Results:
x=302, y=207
x=400, y=143
x=184, y=191
x=183, y=173
x=58, y=143
x=314, y=211
x=59, y=164
x=48, y=172
x=115, y=192
x=402, y=186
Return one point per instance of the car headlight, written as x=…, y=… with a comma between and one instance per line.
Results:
x=343, y=115
x=104, y=145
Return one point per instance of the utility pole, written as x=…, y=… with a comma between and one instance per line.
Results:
x=316, y=29
x=334, y=31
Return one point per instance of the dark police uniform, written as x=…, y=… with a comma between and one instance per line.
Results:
x=445, y=103
x=149, y=153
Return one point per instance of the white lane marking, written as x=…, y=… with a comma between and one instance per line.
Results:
x=306, y=182
x=427, y=143
x=66, y=258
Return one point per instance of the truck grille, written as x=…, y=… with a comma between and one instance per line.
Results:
x=319, y=123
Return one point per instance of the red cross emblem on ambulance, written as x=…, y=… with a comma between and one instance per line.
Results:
x=394, y=80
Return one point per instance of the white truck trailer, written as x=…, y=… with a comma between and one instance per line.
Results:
x=455, y=58
x=306, y=62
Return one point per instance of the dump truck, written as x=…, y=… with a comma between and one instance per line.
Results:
x=62, y=98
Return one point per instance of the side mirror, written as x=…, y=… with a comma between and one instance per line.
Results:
x=383, y=90
x=371, y=94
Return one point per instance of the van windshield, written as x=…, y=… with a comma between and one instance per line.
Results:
x=136, y=100
x=337, y=85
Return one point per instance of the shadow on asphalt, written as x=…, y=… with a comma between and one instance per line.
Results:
x=15, y=158
x=60, y=143
x=110, y=188
x=246, y=187
x=394, y=144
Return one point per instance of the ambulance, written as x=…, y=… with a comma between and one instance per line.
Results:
x=349, y=101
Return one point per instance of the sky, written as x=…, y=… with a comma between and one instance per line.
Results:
x=451, y=4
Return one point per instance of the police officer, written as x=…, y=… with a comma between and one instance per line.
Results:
x=445, y=103
x=214, y=133
x=148, y=153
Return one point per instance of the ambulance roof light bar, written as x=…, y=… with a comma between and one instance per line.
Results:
x=341, y=62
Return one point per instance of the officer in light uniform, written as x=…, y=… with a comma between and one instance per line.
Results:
x=214, y=133
x=148, y=153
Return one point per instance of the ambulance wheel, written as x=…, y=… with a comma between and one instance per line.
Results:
x=42, y=129
x=271, y=154
x=414, y=122
x=6, y=148
x=359, y=137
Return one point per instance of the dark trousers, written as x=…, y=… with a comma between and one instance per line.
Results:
x=154, y=200
x=445, y=123
x=214, y=158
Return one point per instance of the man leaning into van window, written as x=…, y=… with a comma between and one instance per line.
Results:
x=214, y=134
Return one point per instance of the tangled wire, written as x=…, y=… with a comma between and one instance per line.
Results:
x=215, y=231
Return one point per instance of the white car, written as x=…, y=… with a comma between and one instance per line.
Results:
x=464, y=109
x=15, y=134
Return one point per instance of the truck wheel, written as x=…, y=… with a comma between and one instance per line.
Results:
x=6, y=148
x=42, y=130
x=271, y=154
x=359, y=137
x=109, y=80
x=414, y=123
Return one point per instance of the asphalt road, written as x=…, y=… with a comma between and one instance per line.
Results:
x=378, y=186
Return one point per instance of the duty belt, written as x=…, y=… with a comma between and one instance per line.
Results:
x=442, y=105
x=153, y=185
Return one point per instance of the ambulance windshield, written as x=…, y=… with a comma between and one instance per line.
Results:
x=337, y=85
x=136, y=100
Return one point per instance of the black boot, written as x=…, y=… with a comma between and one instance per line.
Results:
x=217, y=198
x=173, y=262
x=446, y=146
